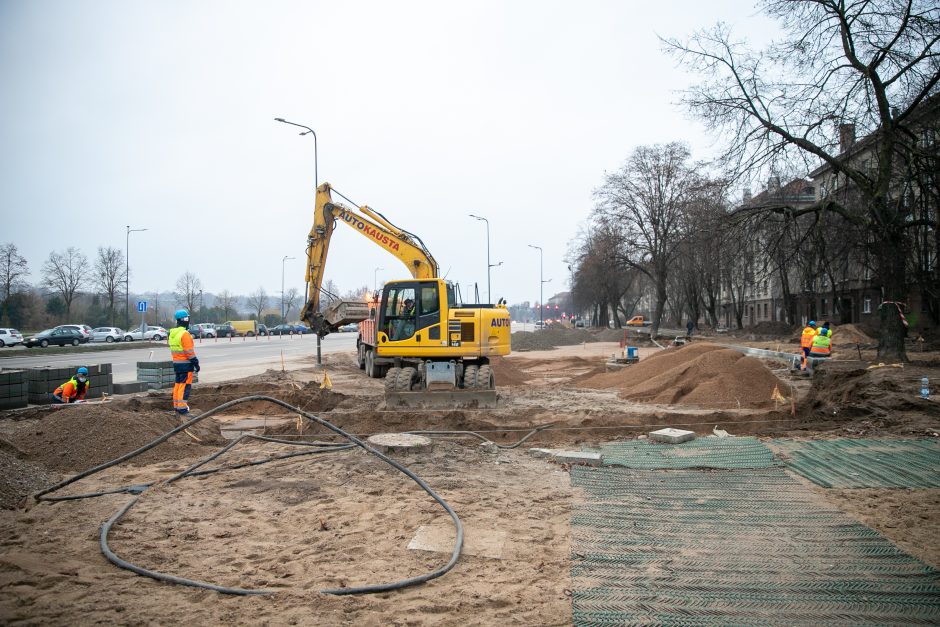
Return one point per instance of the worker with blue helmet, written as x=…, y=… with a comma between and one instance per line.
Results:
x=73, y=390
x=185, y=362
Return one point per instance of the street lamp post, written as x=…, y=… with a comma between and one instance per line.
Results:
x=489, y=294
x=316, y=183
x=283, y=313
x=375, y=279
x=127, y=275
x=542, y=282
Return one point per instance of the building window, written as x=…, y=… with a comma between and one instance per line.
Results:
x=765, y=310
x=866, y=305
x=823, y=307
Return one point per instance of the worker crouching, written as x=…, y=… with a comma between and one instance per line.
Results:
x=185, y=362
x=822, y=345
x=73, y=390
x=806, y=341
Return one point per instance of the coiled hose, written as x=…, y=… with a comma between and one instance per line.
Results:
x=191, y=471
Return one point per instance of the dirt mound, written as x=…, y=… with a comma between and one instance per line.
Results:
x=849, y=334
x=79, y=437
x=18, y=477
x=771, y=329
x=550, y=337
x=507, y=372
x=703, y=375
x=888, y=398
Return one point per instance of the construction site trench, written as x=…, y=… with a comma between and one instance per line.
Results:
x=298, y=525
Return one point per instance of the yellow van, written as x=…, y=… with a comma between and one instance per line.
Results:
x=248, y=328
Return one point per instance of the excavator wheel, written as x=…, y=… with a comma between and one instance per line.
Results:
x=406, y=379
x=391, y=379
x=486, y=380
x=470, y=374
x=361, y=357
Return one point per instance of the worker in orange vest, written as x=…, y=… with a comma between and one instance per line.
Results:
x=806, y=341
x=73, y=390
x=185, y=361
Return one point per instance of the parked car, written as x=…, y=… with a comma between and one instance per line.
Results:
x=203, y=329
x=107, y=334
x=57, y=336
x=84, y=329
x=152, y=332
x=262, y=330
x=302, y=329
x=283, y=329
x=539, y=324
x=10, y=337
x=349, y=328
x=225, y=330
x=579, y=324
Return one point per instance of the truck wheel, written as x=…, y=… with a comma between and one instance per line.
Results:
x=486, y=380
x=250, y=334
x=470, y=374
x=371, y=370
x=361, y=357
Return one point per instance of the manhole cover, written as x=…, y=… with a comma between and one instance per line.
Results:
x=386, y=442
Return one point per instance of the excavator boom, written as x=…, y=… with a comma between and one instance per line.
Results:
x=407, y=247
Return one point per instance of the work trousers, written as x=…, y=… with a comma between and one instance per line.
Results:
x=184, y=381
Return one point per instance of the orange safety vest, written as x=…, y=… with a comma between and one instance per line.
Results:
x=181, y=344
x=71, y=391
x=806, y=340
x=822, y=345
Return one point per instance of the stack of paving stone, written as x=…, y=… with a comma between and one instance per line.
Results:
x=156, y=375
x=13, y=389
x=44, y=381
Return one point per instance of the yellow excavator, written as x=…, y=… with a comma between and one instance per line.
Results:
x=432, y=349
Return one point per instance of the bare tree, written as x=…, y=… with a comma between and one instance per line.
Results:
x=257, y=301
x=64, y=272
x=227, y=303
x=109, y=275
x=866, y=66
x=290, y=301
x=647, y=200
x=187, y=291
x=329, y=293
x=13, y=269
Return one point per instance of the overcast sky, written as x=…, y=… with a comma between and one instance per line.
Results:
x=160, y=115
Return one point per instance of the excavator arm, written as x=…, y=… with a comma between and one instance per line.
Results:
x=407, y=247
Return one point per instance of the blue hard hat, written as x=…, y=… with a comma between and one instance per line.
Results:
x=181, y=313
x=82, y=370
x=812, y=323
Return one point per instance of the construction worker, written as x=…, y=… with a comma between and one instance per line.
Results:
x=185, y=361
x=806, y=341
x=73, y=390
x=822, y=344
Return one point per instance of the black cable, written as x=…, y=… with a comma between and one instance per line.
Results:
x=120, y=562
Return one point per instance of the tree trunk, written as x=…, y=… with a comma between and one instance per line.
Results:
x=891, y=253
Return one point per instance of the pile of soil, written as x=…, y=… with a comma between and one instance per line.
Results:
x=849, y=334
x=18, y=477
x=81, y=436
x=507, y=372
x=550, y=337
x=870, y=401
x=702, y=375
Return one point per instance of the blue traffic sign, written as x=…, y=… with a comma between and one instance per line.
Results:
x=141, y=306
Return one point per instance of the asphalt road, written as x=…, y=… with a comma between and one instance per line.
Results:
x=220, y=359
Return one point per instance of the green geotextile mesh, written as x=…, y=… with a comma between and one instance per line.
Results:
x=720, y=547
x=700, y=453
x=865, y=463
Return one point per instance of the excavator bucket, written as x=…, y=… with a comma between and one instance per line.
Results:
x=442, y=399
x=342, y=312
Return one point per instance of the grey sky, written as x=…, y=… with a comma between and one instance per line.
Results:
x=160, y=115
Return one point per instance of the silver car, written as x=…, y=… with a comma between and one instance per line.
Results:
x=107, y=334
x=10, y=337
x=150, y=332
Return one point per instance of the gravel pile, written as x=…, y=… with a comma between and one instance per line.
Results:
x=549, y=338
x=19, y=478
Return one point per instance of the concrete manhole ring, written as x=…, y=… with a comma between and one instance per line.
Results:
x=386, y=442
